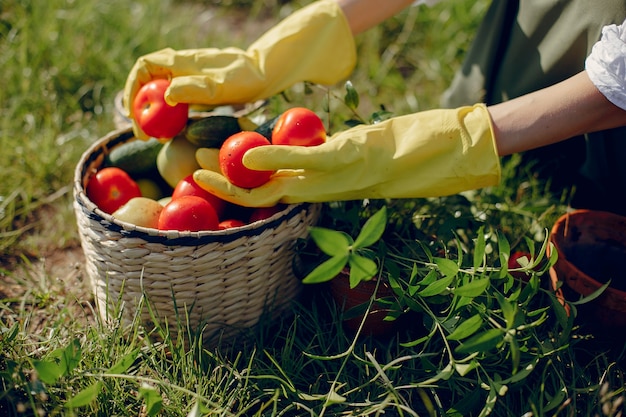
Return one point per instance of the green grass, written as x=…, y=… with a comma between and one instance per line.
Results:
x=62, y=64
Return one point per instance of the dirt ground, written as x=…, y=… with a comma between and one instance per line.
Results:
x=35, y=288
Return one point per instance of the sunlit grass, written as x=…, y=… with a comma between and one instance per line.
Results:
x=63, y=61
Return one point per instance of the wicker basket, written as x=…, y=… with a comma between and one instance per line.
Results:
x=218, y=281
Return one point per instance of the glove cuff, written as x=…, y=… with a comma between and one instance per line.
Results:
x=481, y=152
x=314, y=44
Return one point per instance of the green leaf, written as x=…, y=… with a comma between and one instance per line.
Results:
x=479, y=248
x=49, y=371
x=524, y=372
x=469, y=402
x=515, y=353
x=448, y=267
x=412, y=286
x=413, y=277
x=481, y=342
x=372, y=230
x=352, y=97
x=381, y=116
x=327, y=270
x=553, y=254
x=559, y=310
x=509, y=310
x=61, y=362
x=421, y=340
x=331, y=398
x=154, y=402
x=508, y=283
x=593, y=295
x=438, y=287
x=85, y=396
x=465, y=368
x=445, y=374
x=500, y=387
x=416, y=342
x=490, y=403
x=556, y=400
x=503, y=244
x=71, y=356
x=504, y=252
x=431, y=277
x=331, y=242
x=361, y=269
x=461, y=302
x=466, y=328
x=123, y=364
x=474, y=288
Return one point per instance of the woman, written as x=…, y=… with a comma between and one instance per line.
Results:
x=431, y=153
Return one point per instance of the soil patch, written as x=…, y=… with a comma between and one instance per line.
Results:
x=47, y=289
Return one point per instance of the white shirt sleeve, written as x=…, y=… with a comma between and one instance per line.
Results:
x=606, y=65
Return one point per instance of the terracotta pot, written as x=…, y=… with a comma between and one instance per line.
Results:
x=591, y=248
x=349, y=298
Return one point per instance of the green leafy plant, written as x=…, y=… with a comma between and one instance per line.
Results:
x=344, y=251
x=304, y=364
x=481, y=326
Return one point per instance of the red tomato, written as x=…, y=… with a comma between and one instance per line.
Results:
x=262, y=213
x=299, y=126
x=230, y=223
x=230, y=157
x=110, y=188
x=187, y=186
x=514, y=264
x=188, y=213
x=154, y=116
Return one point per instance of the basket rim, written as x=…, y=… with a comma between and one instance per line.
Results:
x=84, y=206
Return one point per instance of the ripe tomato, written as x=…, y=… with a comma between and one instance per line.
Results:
x=514, y=264
x=262, y=213
x=230, y=223
x=110, y=188
x=299, y=126
x=187, y=186
x=154, y=116
x=230, y=158
x=188, y=213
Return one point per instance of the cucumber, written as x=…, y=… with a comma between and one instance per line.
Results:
x=212, y=131
x=137, y=157
x=266, y=128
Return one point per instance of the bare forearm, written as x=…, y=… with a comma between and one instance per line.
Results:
x=564, y=110
x=365, y=14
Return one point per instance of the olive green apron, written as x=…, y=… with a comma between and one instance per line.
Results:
x=525, y=45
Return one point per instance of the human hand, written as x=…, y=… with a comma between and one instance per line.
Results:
x=426, y=154
x=314, y=44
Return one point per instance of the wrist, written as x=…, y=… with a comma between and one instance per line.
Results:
x=553, y=114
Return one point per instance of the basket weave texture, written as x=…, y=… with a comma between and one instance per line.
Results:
x=220, y=281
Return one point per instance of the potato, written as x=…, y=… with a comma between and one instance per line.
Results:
x=140, y=211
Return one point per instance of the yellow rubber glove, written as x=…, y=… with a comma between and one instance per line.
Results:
x=426, y=154
x=314, y=44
